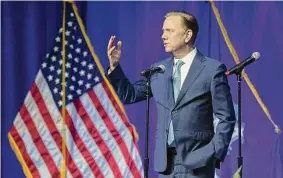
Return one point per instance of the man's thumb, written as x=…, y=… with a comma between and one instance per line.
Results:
x=119, y=45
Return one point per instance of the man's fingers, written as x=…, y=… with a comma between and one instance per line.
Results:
x=111, y=41
x=111, y=50
x=119, y=45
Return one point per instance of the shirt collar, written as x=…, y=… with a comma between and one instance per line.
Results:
x=189, y=57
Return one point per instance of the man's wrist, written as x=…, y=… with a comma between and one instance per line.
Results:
x=113, y=67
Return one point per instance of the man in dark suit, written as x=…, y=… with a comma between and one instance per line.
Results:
x=192, y=89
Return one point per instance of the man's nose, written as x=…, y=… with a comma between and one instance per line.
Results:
x=163, y=37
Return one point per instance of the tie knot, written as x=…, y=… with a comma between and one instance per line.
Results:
x=179, y=63
x=177, y=73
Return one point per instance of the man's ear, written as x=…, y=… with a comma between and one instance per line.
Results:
x=189, y=35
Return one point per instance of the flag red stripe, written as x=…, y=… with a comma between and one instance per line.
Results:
x=120, y=112
x=115, y=134
x=118, y=109
x=97, y=138
x=83, y=149
x=20, y=143
x=38, y=142
x=53, y=130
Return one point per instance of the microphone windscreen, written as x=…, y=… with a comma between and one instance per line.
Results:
x=256, y=55
x=162, y=67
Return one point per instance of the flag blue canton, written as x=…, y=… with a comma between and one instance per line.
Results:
x=81, y=71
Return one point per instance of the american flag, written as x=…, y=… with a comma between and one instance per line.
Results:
x=100, y=141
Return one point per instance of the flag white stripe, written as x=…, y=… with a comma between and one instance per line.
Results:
x=119, y=124
x=89, y=142
x=77, y=156
x=49, y=102
x=57, y=119
x=32, y=150
x=105, y=134
x=43, y=131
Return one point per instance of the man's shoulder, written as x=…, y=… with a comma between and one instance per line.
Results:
x=164, y=61
x=212, y=63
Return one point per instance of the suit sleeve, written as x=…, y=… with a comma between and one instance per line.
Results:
x=224, y=110
x=127, y=92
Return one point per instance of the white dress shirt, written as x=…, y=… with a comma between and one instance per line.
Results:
x=188, y=59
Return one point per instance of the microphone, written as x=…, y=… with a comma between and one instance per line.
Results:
x=153, y=70
x=238, y=68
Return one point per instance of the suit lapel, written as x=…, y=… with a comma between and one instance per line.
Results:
x=194, y=71
x=169, y=96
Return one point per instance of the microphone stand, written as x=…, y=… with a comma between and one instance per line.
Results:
x=147, y=75
x=240, y=158
x=238, y=72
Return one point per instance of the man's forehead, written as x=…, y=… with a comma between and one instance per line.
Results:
x=174, y=20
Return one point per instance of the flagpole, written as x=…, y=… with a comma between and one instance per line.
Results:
x=63, y=165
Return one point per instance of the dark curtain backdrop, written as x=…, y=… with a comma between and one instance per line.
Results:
x=28, y=30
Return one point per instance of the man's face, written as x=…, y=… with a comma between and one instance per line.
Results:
x=174, y=34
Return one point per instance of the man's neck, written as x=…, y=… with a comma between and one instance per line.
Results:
x=183, y=52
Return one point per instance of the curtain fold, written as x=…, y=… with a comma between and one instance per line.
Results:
x=29, y=28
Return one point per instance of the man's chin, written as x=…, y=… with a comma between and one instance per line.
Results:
x=167, y=50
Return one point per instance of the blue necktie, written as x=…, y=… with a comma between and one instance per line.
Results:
x=177, y=87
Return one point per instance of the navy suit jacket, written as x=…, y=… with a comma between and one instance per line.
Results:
x=205, y=92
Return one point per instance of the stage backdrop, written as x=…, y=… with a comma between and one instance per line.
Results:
x=29, y=28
